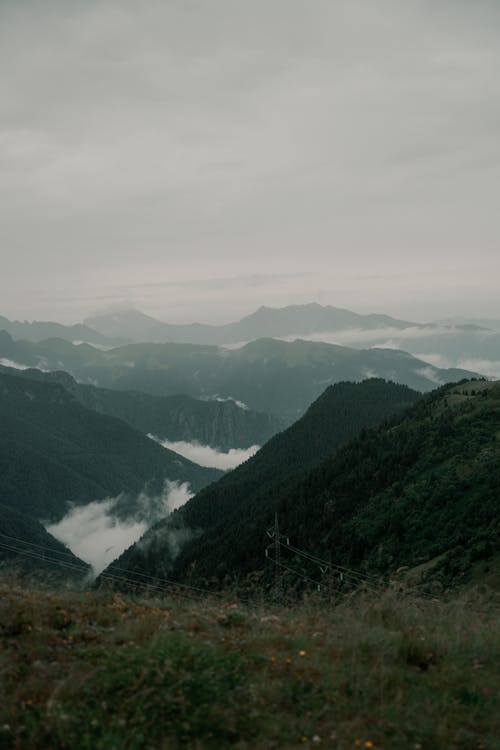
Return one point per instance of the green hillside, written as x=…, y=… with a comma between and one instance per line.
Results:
x=221, y=424
x=54, y=452
x=424, y=487
x=338, y=415
x=398, y=496
x=97, y=670
x=27, y=547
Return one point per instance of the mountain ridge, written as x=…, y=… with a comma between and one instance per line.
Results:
x=468, y=344
x=57, y=454
x=420, y=487
x=268, y=375
x=265, y=321
x=39, y=330
x=222, y=425
x=340, y=413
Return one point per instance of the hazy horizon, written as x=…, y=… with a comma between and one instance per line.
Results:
x=225, y=317
x=197, y=161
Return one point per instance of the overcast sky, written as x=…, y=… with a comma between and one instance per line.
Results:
x=199, y=158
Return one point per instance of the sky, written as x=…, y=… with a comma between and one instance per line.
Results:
x=199, y=158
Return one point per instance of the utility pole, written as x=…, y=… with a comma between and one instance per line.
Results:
x=330, y=581
x=274, y=533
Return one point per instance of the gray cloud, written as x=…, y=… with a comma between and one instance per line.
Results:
x=305, y=143
x=10, y=363
x=204, y=455
x=93, y=534
x=490, y=368
x=97, y=532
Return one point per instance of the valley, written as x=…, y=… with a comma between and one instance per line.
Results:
x=249, y=375
x=282, y=544
x=267, y=375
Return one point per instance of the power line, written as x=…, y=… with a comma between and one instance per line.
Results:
x=300, y=575
x=39, y=556
x=154, y=581
x=326, y=566
x=158, y=587
x=359, y=578
x=39, y=550
x=274, y=534
x=40, y=546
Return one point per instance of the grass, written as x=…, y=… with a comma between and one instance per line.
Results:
x=99, y=670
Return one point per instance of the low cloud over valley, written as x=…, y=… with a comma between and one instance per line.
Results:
x=204, y=455
x=99, y=532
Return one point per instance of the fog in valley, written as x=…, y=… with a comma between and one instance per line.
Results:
x=97, y=532
x=205, y=455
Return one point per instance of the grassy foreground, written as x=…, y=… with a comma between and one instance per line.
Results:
x=102, y=671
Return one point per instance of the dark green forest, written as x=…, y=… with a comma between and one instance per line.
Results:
x=56, y=453
x=425, y=485
x=340, y=413
x=221, y=424
x=25, y=545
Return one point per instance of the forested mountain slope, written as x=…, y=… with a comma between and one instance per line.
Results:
x=25, y=544
x=54, y=452
x=403, y=494
x=221, y=424
x=341, y=412
x=268, y=375
x=424, y=485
